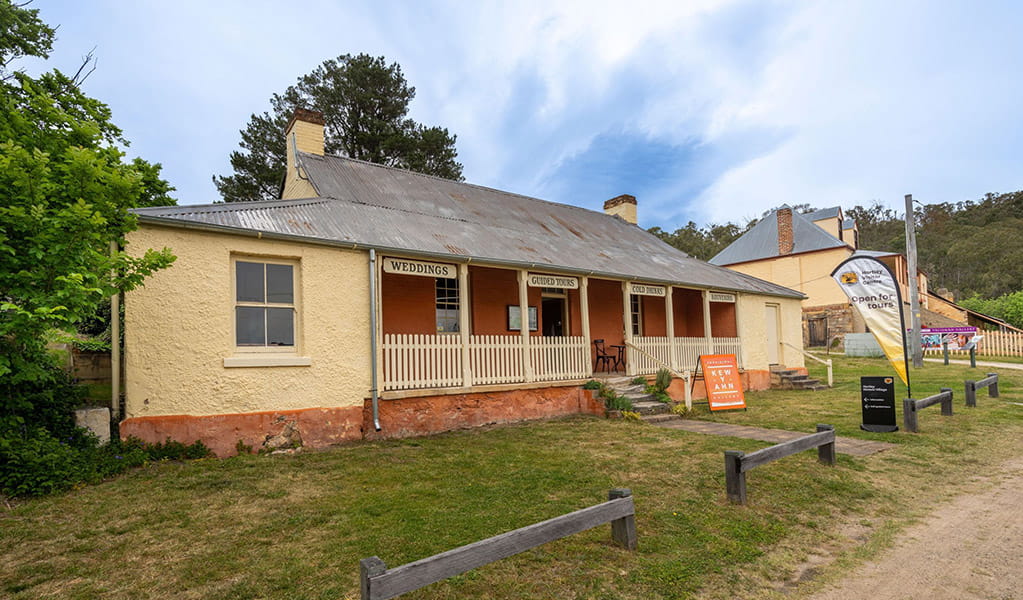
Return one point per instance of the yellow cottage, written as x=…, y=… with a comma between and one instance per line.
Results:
x=375, y=302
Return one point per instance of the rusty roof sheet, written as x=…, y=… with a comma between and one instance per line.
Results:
x=371, y=205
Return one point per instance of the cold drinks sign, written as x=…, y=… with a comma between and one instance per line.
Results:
x=721, y=376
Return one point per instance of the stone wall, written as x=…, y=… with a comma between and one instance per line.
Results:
x=841, y=319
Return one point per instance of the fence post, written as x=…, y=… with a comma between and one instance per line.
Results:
x=831, y=378
x=735, y=479
x=944, y=350
x=946, y=402
x=973, y=358
x=909, y=414
x=971, y=392
x=369, y=567
x=826, y=452
x=992, y=390
x=623, y=531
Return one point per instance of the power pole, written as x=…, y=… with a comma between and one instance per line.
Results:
x=912, y=283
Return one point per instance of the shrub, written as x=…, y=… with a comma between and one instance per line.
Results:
x=639, y=380
x=592, y=384
x=628, y=415
x=681, y=410
x=663, y=380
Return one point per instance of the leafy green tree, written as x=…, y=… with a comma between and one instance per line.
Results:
x=703, y=242
x=365, y=104
x=65, y=191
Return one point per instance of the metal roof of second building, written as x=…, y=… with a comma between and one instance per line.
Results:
x=761, y=241
x=395, y=210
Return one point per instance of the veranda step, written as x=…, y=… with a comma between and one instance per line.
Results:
x=661, y=418
x=651, y=407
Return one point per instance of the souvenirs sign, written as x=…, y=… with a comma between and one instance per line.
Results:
x=552, y=281
x=721, y=377
x=404, y=266
x=873, y=291
x=878, y=397
x=642, y=289
x=722, y=297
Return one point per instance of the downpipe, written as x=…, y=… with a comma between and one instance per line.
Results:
x=373, y=335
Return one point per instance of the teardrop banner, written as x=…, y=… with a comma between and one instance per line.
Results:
x=874, y=292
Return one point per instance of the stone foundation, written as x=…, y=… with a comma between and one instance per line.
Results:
x=401, y=417
x=841, y=319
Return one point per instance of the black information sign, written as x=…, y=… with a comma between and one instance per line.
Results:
x=878, y=396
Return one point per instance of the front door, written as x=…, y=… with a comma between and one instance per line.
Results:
x=771, y=324
x=553, y=316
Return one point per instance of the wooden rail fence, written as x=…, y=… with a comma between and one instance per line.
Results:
x=990, y=382
x=737, y=462
x=910, y=407
x=379, y=583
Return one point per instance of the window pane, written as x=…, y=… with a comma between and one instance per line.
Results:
x=280, y=327
x=249, y=326
x=250, y=281
x=279, y=285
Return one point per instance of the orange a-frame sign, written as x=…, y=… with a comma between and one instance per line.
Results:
x=721, y=376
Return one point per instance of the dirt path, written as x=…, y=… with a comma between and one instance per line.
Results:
x=971, y=548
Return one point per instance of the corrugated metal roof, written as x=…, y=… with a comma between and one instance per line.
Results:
x=392, y=209
x=824, y=213
x=762, y=240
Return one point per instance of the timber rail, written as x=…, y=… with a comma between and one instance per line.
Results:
x=377, y=582
x=737, y=462
x=990, y=382
x=911, y=407
x=827, y=363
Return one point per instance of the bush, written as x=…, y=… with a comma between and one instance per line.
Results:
x=663, y=380
x=640, y=380
x=592, y=384
x=39, y=463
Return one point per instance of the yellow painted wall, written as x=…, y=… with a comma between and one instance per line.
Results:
x=832, y=225
x=752, y=330
x=809, y=273
x=179, y=329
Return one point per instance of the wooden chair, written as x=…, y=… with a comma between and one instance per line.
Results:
x=602, y=356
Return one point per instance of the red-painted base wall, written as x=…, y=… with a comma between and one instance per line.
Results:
x=751, y=381
x=404, y=417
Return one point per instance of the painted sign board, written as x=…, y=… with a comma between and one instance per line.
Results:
x=957, y=338
x=552, y=281
x=642, y=289
x=722, y=297
x=721, y=376
x=404, y=266
x=877, y=395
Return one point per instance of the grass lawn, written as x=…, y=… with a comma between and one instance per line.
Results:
x=296, y=526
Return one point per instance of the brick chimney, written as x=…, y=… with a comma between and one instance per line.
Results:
x=784, y=230
x=304, y=133
x=623, y=206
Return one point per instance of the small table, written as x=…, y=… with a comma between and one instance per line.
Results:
x=620, y=357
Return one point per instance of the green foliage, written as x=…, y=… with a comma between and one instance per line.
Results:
x=66, y=190
x=639, y=380
x=663, y=380
x=681, y=410
x=629, y=415
x=592, y=384
x=703, y=242
x=1008, y=307
x=365, y=104
x=614, y=401
x=170, y=449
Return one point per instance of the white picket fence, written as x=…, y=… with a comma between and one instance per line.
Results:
x=687, y=350
x=994, y=343
x=434, y=361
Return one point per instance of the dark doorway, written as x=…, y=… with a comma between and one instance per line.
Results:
x=818, y=331
x=553, y=316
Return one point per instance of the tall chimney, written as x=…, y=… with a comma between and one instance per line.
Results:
x=304, y=133
x=784, y=230
x=623, y=206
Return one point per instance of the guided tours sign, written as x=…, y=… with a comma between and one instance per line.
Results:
x=877, y=395
x=873, y=291
x=404, y=266
x=721, y=377
x=552, y=281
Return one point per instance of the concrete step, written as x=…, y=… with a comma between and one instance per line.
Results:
x=651, y=407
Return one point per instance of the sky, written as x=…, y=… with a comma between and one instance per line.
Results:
x=704, y=110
